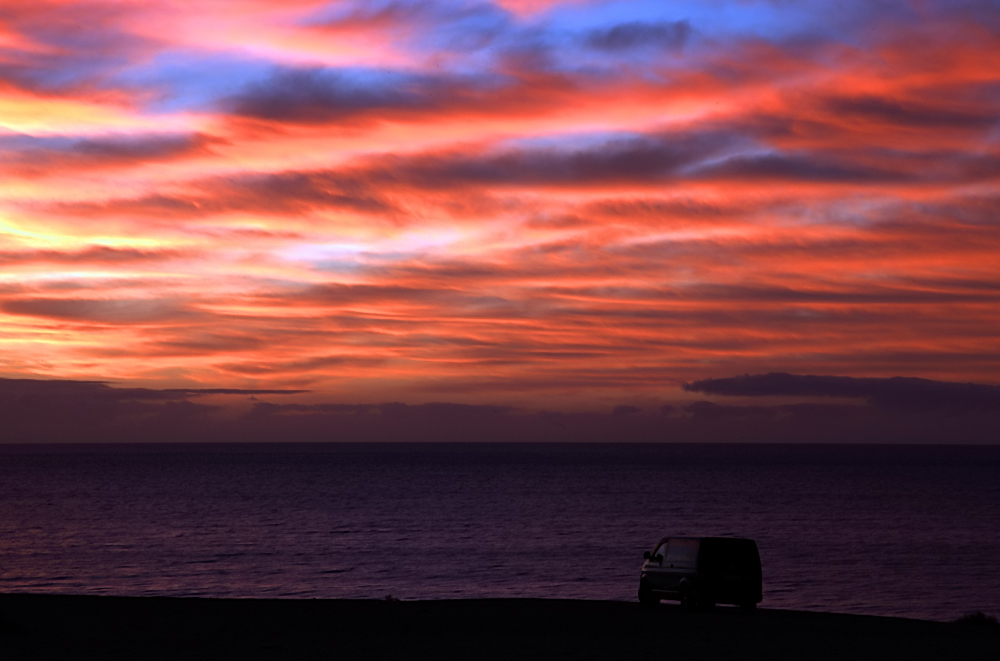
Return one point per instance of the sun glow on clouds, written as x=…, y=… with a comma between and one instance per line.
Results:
x=537, y=203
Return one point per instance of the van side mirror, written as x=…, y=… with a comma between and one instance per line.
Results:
x=646, y=555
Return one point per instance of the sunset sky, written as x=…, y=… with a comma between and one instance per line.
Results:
x=569, y=206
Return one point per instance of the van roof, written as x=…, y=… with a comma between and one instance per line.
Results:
x=701, y=537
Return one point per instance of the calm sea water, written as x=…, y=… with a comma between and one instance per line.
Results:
x=902, y=530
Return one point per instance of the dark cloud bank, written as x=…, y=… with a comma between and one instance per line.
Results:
x=866, y=410
x=899, y=393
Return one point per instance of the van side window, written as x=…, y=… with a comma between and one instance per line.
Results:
x=729, y=556
x=682, y=551
x=661, y=550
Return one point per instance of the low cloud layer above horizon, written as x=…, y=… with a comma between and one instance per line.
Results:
x=872, y=411
x=558, y=206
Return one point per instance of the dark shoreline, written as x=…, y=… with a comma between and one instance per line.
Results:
x=88, y=627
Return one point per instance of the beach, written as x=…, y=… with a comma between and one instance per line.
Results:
x=96, y=627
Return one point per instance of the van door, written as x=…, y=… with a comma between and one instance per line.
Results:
x=681, y=561
x=730, y=570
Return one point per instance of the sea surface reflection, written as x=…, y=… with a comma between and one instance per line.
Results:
x=889, y=530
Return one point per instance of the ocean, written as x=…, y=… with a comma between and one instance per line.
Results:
x=910, y=531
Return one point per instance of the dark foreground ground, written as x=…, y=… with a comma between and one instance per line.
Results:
x=71, y=627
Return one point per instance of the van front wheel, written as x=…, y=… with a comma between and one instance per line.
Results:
x=647, y=598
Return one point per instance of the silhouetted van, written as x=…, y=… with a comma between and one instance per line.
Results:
x=702, y=572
